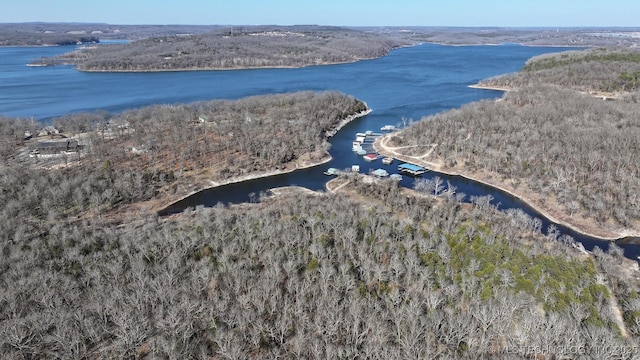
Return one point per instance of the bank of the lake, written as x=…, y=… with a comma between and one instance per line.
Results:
x=306, y=161
x=553, y=213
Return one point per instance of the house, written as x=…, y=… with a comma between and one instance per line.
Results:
x=55, y=147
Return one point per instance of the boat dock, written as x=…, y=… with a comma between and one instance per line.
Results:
x=332, y=172
x=412, y=169
x=363, y=143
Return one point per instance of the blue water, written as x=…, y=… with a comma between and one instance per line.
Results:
x=407, y=84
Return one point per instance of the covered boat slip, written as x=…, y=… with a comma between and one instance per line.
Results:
x=411, y=169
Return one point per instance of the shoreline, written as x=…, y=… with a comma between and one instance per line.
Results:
x=298, y=165
x=380, y=147
x=223, y=68
x=488, y=87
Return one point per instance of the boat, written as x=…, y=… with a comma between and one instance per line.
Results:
x=388, y=128
x=361, y=138
x=370, y=157
x=387, y=160
x=380, y=173
x=411, y=169
x=356, y=145
x=396, y=177
x=355, y=168
x=361, y=151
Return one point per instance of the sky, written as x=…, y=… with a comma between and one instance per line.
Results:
x=472, y=13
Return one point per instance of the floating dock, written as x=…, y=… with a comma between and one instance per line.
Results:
x=412, y=169
x=332, y=172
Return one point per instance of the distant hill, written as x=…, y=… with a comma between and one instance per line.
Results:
x=236, y=48
x=603, y=72
x=38, y=33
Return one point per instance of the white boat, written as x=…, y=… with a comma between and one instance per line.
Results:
x=380, y=173
x=388, y=128
x=387, y=160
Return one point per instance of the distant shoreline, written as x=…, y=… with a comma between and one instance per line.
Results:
x=488, y=87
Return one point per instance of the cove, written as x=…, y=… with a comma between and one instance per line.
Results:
x=407, y=84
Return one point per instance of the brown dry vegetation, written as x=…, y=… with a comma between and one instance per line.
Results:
x=570, y=155
x=236, y=48
x=374, y=271
x=161, y=153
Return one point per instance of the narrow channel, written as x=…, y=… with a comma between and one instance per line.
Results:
x=343, y=157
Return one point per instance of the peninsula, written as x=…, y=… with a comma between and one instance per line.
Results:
x=151, y=156
x=235, y=48
x=548, y=140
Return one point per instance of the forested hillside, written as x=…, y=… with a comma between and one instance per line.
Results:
x=235, y=48
x=46, y=33
x=572, y=155
x=604, y=72
x=161, y=153
x=397, y=276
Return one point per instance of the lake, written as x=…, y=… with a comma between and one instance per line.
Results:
x=406, y=85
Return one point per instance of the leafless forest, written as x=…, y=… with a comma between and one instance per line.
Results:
x=373, y=271
x=574, y=150
x=30, y=34
x=38, y=33
x=163, y=152
x=234, y=48
x=312, y=277
x=609, y=72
